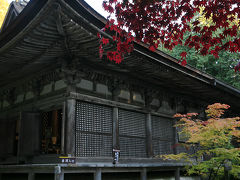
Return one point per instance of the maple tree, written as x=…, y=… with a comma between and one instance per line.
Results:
x=221, y=68
x=214, y=141
x=3, y=10
x=166, y=21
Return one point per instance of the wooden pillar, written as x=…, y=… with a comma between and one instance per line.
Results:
x=175, y=137
x=144, y=174
x=148, y=98
x=115, y=130
x=31, y=176
x=149, y=135
x=63, y=129
x=115, y=93
x=55, y=123
x=98, y=175
x=70, y=127
x=177, y=174
x=3, y=139
x=58, y=174
x=11, y=132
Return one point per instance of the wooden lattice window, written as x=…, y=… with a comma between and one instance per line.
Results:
x=162, y=135
x=132, y=133
x=93, y=130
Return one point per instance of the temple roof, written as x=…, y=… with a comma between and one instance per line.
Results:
x=15, y=8
x=47, y=31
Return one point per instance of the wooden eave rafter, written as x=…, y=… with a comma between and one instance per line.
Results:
x=81, y=24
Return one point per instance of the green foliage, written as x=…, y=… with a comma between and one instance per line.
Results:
x=221, y=68
x=213, y=141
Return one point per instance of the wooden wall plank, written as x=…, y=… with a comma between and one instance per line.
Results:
x=30, y=134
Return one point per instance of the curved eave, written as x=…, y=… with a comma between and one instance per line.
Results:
x=14, y=9
x=161, y=57
x=19, y=26
x=26, y=47
x=187, y=70
x=25, y=19
x=158, y=56
x=88, y=19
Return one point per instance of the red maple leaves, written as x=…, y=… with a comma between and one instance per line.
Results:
x=183, y=58
x=166, y=21
x=123, y=42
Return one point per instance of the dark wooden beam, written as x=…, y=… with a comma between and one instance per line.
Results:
x=70, y=127
x=115, y=130
x=149, y=135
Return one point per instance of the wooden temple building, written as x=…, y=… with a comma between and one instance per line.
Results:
x=66, y=112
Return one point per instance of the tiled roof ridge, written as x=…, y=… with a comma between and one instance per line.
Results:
x=20, y=5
